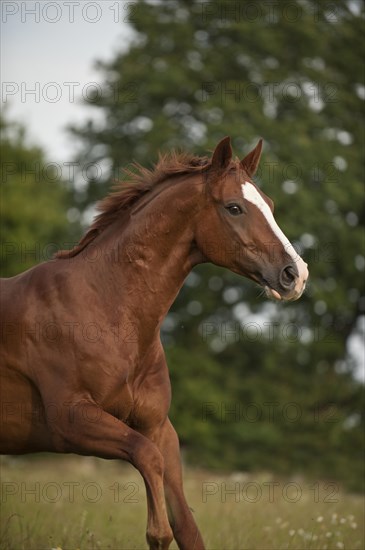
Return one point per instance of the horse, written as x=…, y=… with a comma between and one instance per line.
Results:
x=83, y=369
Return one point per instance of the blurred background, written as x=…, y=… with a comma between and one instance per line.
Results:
x=89, y=87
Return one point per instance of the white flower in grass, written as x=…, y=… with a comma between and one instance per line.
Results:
x=292, y=532
x=343, y=520
x=329, y=534
x=278, y=520
x=340, y=544
x=320, y=519
x=354, y=525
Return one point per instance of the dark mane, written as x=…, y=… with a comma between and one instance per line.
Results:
x=126, y=193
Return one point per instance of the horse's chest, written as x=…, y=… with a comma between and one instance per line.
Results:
x=119, y=402
x=151, y=401
x=140, y=405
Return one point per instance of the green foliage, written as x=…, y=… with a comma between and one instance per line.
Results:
x=34, y=204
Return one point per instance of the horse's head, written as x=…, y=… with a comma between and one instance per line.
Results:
x=237, y=228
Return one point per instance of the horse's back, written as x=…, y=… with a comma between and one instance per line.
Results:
x=20, y=307
x=14, y=291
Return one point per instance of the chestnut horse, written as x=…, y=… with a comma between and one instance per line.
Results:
x=82, y=365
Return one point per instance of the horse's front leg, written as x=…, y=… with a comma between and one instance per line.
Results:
x=111, y=438
x=186, y=532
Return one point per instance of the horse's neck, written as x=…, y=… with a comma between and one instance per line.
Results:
x=146, y=261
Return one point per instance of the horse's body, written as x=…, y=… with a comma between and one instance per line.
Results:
x=82, y=366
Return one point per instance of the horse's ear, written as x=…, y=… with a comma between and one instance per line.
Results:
x=251, y=161
x=222, y=155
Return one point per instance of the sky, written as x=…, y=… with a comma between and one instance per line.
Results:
x=48, y=52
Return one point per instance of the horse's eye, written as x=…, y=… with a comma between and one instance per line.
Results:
x=234, y=209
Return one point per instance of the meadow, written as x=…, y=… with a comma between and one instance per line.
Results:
x=70, y=502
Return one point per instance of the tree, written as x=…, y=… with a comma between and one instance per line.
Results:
x=34, y=200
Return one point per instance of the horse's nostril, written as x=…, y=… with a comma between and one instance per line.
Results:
x=288, y=276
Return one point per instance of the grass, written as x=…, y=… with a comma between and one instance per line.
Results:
x=70, y=502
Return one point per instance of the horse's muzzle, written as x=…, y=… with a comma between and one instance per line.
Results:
x=292, y=282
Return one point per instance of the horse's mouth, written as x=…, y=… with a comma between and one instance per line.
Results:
x=275, y=295
x=271, y=293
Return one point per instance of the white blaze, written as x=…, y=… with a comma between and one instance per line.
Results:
x=251, y=194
